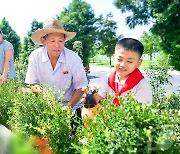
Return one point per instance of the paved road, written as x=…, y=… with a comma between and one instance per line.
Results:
x=97, y=73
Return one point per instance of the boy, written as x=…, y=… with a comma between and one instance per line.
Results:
x=126, y=77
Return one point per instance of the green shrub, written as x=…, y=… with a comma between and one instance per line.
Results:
x=41, y=116
x=158, y=76
x=173, y=101
x=35, y=116
x=130, y=128
x=18, y=144
x=21, y=69
x=7, y=97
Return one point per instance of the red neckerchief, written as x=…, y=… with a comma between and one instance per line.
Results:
x=132, y=80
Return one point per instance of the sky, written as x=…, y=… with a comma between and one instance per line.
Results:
x=20, y=14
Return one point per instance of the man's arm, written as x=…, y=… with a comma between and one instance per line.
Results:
x=8, y=57
x=97, y=97
x=31, y=75
x=76, y=96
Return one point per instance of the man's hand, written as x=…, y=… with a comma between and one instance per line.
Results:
x=97, y=97
x=35, y=89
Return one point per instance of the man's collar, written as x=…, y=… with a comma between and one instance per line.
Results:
x=62, y=58
x=45, y=57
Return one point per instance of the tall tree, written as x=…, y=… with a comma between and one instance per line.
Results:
x=106, y=30
x=166, y=22
x=79, y=17
x=11, y=36
x=28, y=45
x=151, y=43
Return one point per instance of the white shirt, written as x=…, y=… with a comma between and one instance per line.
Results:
x=142, y=90
x=68, y=74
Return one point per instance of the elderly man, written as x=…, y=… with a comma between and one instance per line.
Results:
x=54, y=65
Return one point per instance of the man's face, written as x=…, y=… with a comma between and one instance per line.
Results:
x=1, y=37
x=125, y=62
x=54, y=43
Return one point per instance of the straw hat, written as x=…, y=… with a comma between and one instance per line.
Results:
x=52, y=26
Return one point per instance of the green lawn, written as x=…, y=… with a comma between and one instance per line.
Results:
x=105, y=63
x=100, y=62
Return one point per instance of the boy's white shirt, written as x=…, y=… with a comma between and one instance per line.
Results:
x=142, y=90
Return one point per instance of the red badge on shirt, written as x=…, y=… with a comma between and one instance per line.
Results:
x=65, y=72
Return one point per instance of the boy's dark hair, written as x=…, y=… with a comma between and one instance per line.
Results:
x=130, y=44
x=0, y=31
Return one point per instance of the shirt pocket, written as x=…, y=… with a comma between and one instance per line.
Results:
x=65, y=81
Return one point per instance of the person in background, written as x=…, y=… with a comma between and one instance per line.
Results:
x=7, y=69
x=55, y=65
x=126, y=76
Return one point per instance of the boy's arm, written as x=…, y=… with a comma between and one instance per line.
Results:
x=144, y=93
x=103, y=90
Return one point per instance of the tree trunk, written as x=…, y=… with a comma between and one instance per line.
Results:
x=150, y=60
x=110, y=61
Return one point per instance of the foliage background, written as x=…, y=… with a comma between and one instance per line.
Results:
x=98, y=34
x=130, y=128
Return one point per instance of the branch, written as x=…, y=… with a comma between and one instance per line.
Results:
x=161, y=36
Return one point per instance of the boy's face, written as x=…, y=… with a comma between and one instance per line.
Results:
x=125, y=62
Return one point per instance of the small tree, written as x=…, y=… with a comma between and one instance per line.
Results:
x=106, y=40
x=78, y=48
x=151, y=43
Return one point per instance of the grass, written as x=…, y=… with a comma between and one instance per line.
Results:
x=146, y=64
x=105, y=62
x=100, y=62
